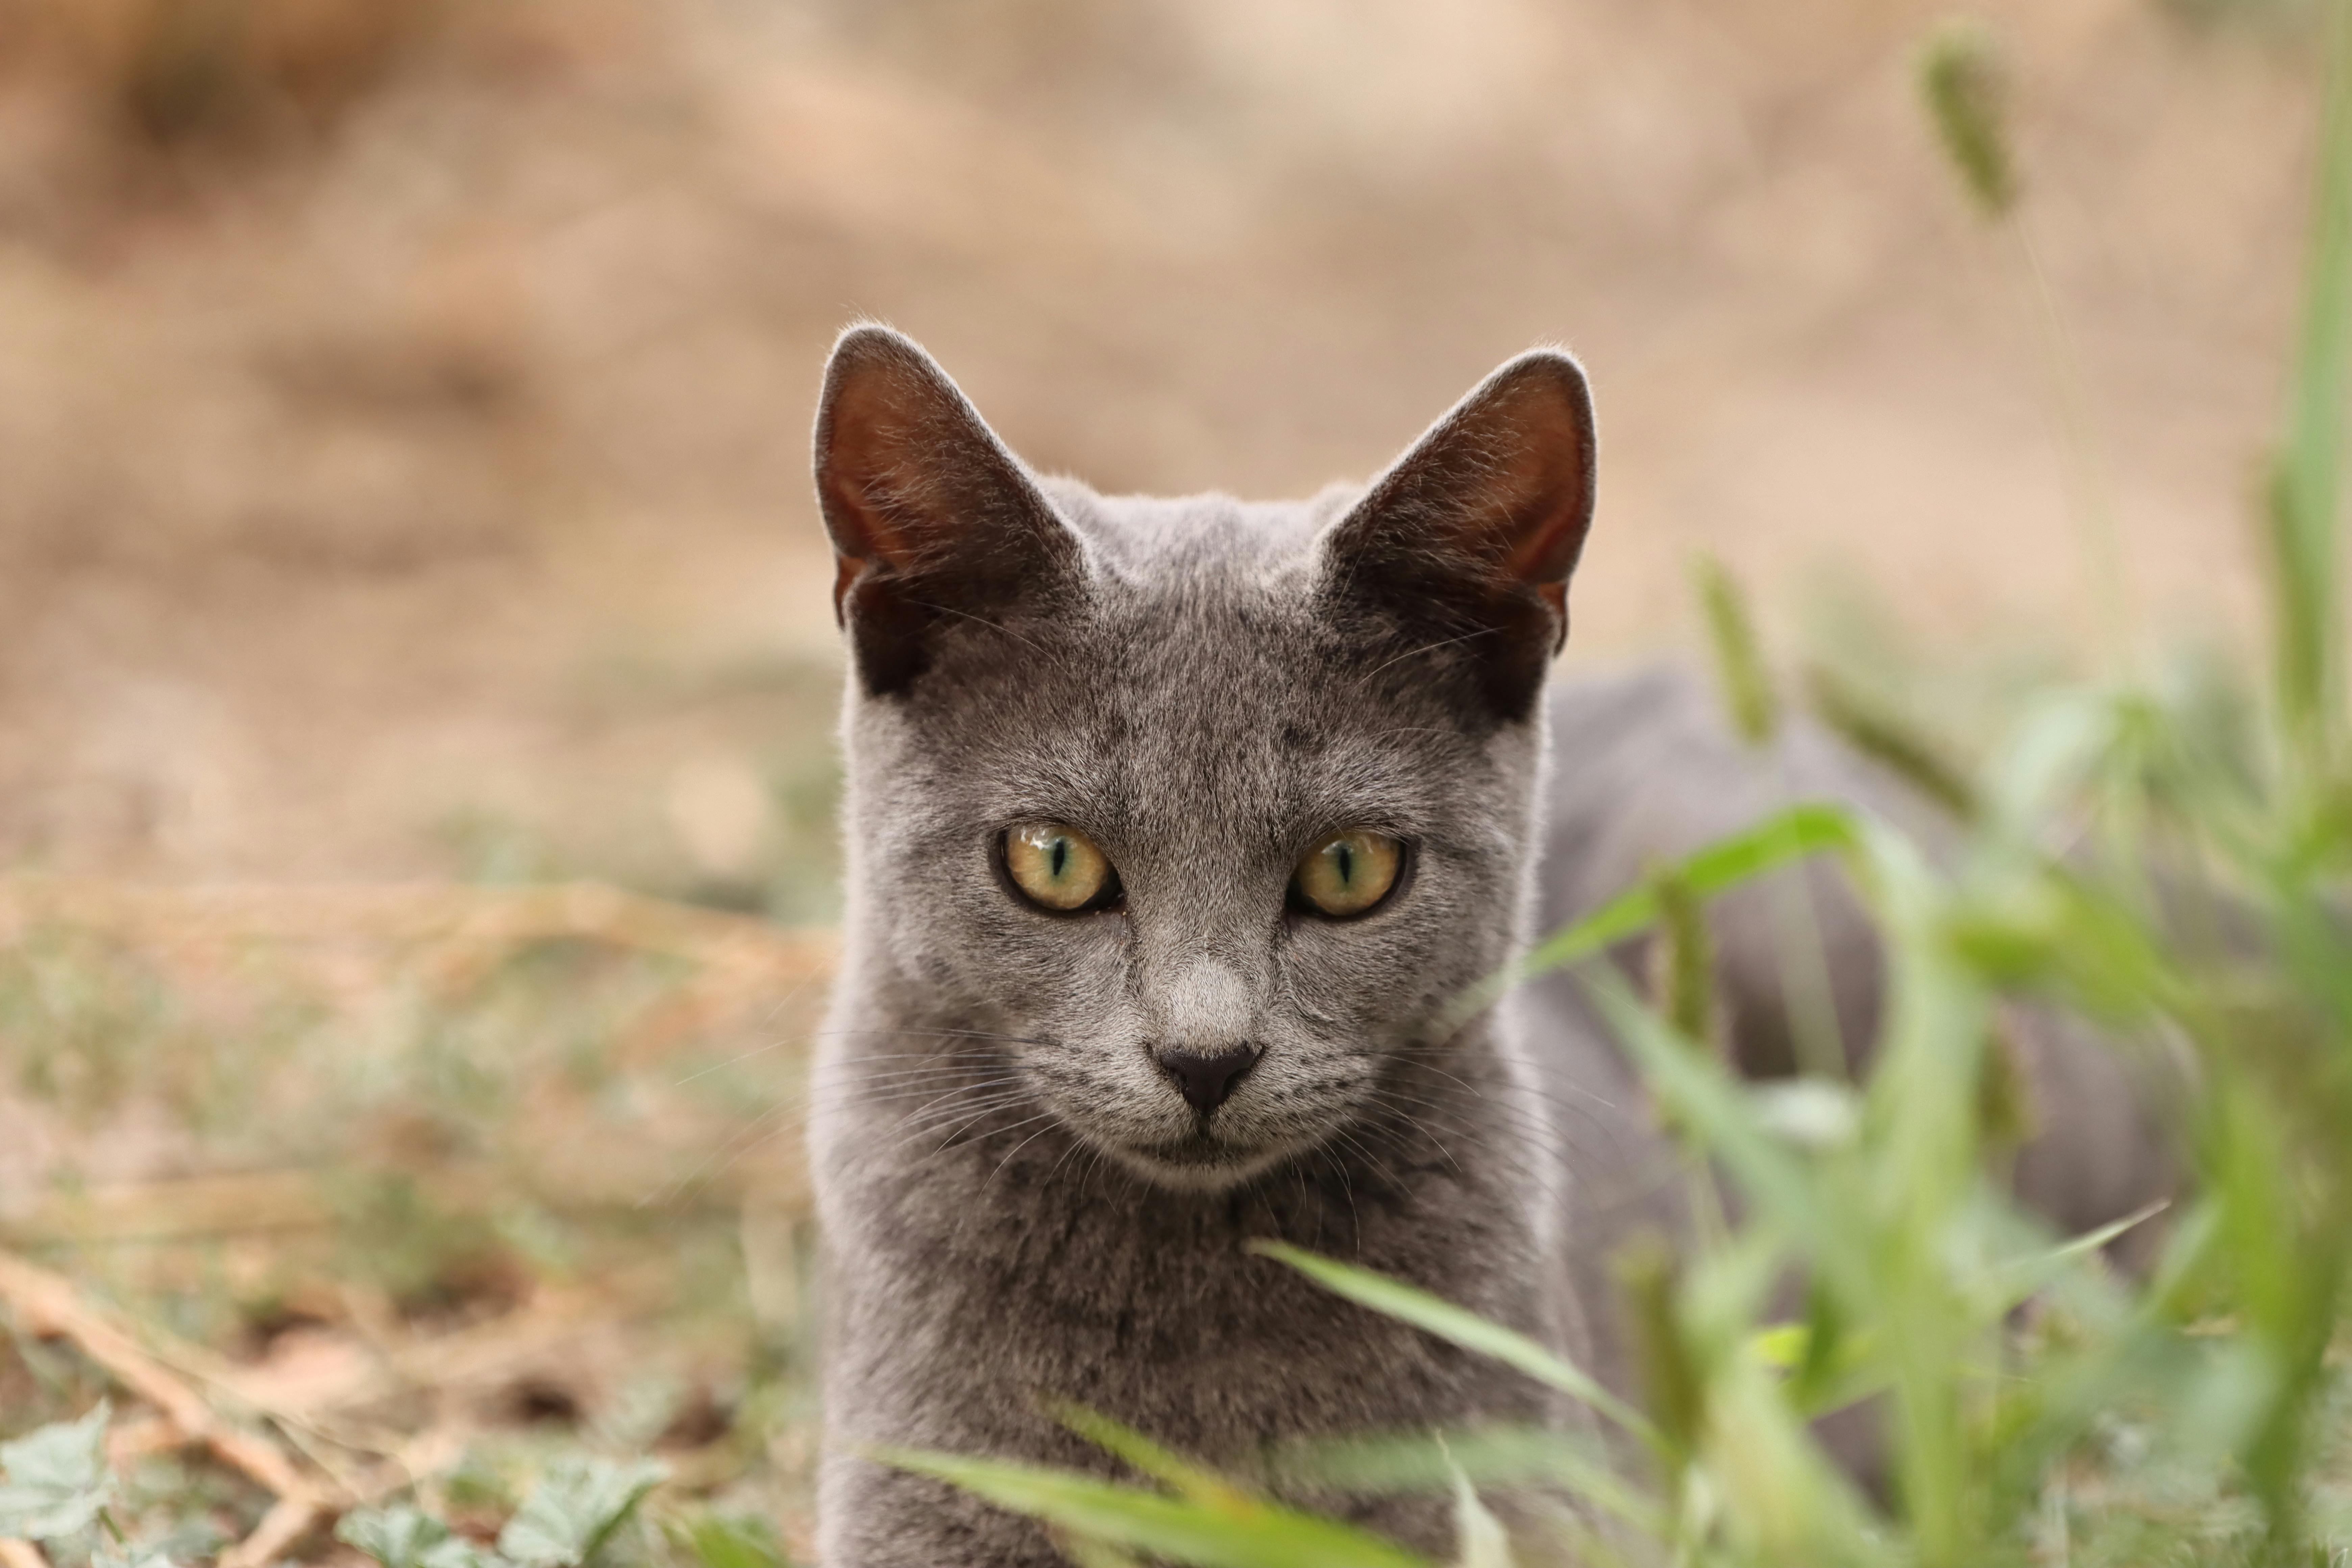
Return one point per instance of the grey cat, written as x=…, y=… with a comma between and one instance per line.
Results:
x=1172, y=826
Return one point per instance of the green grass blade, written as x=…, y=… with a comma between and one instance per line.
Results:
x=2305, y=489
x=1889, y=740
x=1482, y=1540
x=2020, y=1278
x=1201, y=1485
x=1088, y=1554
x=1433, y=1315
x=1174, y=1529
x=1749, y=697
x=1783, y=839
x=1684, y=955
x=1694, y=1087
x=1501, y=1457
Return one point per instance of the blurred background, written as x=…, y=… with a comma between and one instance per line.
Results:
x=403, y=403
x=404, y=521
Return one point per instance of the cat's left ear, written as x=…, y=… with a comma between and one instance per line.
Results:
x=1467, y=542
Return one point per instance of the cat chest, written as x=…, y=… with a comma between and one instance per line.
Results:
x=1205, y=1345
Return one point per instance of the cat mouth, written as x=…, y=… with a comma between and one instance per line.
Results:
x=1197, y=1161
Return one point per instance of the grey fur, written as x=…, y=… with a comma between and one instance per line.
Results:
x=1011, y=1209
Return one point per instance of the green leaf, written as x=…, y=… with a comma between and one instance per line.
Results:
x=1701, y=1096
x=57, y=1483
x=1780, y=1346
x=1177, y=1530
x=734, y=1540
x=1188, y=1479
x=1807, y=828
x=397, y=1537
x=2045, y=755
x=1095, y=1555
x=2019, y=1278
x=1483, y=1542
x=1433, y=1315
x=459, y=1553
x=1489, y=1456
x=574, y=1509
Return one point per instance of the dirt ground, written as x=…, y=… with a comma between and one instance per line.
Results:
x=402, y=408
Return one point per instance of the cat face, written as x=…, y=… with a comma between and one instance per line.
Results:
x=1197, y=812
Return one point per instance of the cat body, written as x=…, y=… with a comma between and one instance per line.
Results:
x=1048, y=1128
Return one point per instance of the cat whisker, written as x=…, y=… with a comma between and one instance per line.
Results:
x=1348, y=1189
x=1563, y=1104
x=1524, y=1120
x=982, y=620
x=769, y=1123
x=732, y=1149
x=1429, y=1116
x=1429, y=1056
x=836, y=1095
x=1047, y=1117
x=1430, y=647
x=949, y=1130
x=810, y=1039
x=1532, y=1152
x=1382, y=1166
x=924, y=1117
x=933, y=1034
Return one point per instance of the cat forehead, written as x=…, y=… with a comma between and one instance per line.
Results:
x=1199, y=541
x=1198, y=666
x=1203, y=612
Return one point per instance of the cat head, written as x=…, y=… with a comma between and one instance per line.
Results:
x=1198, y=811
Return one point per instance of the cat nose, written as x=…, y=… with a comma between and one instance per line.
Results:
x=1207, y=1080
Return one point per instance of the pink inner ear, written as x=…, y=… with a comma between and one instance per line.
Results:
x=1549, y=542
x=871, y=426
x=1549, y=503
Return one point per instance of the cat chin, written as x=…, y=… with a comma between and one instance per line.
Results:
x=1197, y=1166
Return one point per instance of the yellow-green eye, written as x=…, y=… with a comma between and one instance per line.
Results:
x=1058, y=867
x=1347, y=873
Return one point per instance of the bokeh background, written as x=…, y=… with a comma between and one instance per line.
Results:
x=403, y=513
x=403, y=403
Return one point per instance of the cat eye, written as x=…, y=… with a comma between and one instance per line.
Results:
x=1059, y=869
x=1347, y=874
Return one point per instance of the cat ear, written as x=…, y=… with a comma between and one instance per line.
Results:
x=932, y=519
x=1468, y=540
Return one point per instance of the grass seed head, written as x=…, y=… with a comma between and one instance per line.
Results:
x=1965, y=85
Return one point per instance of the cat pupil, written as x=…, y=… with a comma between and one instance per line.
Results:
x=1347, y=862
x=1061, y=857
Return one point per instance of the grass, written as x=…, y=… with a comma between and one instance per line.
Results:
x=469, y=1221
x=491, y=1185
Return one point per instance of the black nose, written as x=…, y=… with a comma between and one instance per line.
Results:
x=1207, y=1080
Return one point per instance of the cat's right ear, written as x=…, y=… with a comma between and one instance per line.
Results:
x=932, y=519
x=1465, y=547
